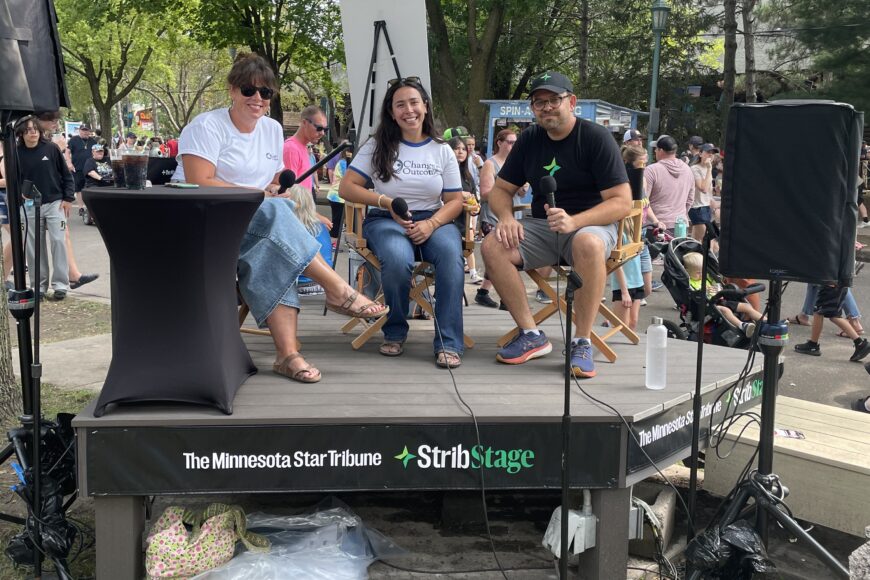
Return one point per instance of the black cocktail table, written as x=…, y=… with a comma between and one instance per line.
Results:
x=175, y=332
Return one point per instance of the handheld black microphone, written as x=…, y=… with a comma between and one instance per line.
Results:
x=286, y=179
x=400, y=208
x=548, y=189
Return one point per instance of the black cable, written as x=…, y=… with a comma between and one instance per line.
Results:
x=472, y=571
x=476, y=430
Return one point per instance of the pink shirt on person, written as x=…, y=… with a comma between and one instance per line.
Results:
x=670, y=185
x=297, y=159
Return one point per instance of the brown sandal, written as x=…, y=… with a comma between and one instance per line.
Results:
x=391, y=349
x=283, y=368
x=447, y=360
x=361, y=312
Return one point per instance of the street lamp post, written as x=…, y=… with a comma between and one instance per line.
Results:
x=660, y=10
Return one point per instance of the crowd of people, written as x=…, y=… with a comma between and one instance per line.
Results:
x=437, y=174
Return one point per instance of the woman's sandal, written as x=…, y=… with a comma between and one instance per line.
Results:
x=447, y=360
x=283, y=368
x=362, y=311
x=391, y=349
x=796, y=319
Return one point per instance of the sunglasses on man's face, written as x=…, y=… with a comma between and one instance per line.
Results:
x=249, y=90
x=318, y=128
x=393, y=82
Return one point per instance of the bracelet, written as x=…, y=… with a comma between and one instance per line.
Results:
x=379, y=201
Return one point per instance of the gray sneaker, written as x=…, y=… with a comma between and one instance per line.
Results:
x=542, y=297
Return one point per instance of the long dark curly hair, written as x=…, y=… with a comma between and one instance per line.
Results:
x=388, y=134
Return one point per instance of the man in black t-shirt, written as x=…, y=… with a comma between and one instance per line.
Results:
x=591, y=196
x=80, y=148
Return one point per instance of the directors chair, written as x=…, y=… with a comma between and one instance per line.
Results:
x=628, y=245
x=422, y=277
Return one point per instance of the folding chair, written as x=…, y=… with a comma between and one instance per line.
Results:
x=422, y=277
x=626, y=249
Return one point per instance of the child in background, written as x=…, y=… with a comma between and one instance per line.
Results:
x=306, y=211
x=729, y=309
x=829, y=304
x=628, y=289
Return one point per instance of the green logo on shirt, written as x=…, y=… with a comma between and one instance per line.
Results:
x=552, y=167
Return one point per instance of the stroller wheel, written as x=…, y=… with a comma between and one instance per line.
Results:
x=675, y=330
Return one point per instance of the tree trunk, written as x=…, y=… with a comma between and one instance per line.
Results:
x=730, y=7
x=444, y=78
x=583, y=69
x=749, y=49
x=10, y=387
x=104, y=111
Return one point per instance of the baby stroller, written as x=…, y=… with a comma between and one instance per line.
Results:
x=716, y=329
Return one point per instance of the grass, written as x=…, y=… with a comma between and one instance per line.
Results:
x=54, y=401
x=67, y=319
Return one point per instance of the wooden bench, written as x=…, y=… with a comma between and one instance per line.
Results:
x=828, y=473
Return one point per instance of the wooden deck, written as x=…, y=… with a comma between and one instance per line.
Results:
x=363, y=387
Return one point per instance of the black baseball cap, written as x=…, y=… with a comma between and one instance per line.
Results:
x=131, y=135
x=696, y=141
x=666, y=143
x=551, y=81
x=709, y=148
x=84, y=127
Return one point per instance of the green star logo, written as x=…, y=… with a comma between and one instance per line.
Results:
x=405, y=456
x=553, y=167
x=545, y=77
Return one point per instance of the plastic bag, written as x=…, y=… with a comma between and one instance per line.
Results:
x=735, y=552
x=330, y=543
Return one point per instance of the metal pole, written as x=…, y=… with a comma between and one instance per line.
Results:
x=657, y=35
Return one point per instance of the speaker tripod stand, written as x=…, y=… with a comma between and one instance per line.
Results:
x=762, y=485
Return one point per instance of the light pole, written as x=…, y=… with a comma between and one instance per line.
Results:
x=660, y=10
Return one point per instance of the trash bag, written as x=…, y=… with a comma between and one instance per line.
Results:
x=733, y=553
x=328, y=543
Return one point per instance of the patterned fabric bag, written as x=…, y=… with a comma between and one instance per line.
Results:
x=172, y=552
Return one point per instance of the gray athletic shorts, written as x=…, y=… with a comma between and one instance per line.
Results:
x=538, y=247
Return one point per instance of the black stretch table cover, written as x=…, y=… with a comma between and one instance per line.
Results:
x=175, y=331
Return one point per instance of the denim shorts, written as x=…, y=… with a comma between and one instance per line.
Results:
x=700, y=215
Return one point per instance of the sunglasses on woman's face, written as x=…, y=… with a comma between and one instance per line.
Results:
x=393, y=82
x=249, y=90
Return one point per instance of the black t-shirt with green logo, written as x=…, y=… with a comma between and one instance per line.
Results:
x=584, y=164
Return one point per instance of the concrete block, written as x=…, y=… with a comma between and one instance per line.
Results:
x=663, y=501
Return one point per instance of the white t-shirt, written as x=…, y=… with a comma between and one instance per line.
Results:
x=701, y=199
x=423, y=172
x=243, y=159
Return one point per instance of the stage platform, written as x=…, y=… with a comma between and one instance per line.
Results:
x=380, y=423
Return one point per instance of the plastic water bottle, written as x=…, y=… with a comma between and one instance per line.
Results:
x=680, y=228
x=656, y=355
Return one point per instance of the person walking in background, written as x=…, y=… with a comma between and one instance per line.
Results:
x=829, y=304
x=670, y=185
x=702, y=170
x=336, y=203
x=80, y=149
x=41, y=162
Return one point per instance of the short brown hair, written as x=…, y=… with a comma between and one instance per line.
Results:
x=631, y=153
x=501, y=136
x=251, y=69
x=309, y=112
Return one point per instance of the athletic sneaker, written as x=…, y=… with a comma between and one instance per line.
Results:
x=748, y=328
x=482, y=297
x=860, y=405
x=525, y=346
x=862, y=349
x=475, y=279
x=656, y=285
x=582, y=365
x=809, y=347
x=643, y=301
x=542, y=297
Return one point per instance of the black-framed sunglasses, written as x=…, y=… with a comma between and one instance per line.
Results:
x=393, y=82
x=249, y=90
x=319, y=128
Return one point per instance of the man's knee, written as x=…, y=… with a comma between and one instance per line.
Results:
x=588, y=249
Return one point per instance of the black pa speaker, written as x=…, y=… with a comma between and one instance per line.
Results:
x=31, y=62
x=790, y=191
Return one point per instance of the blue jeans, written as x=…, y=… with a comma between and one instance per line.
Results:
x=395, y=251
x=850, y=307
x=275, y=250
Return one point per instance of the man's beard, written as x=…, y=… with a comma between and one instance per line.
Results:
x=551, y=122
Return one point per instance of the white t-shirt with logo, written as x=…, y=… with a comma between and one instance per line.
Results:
x=243, y=159
x=424, y=171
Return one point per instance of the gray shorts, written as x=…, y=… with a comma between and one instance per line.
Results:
x=538, y=248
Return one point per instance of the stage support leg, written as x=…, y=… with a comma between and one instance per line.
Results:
x=609, y=558
x=119, y=522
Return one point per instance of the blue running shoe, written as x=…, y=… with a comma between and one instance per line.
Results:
x=656, y=285
x=525, y=346
x=582, y=365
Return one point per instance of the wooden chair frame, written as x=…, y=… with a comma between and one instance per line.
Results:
x=422, y=277
x=629, y=226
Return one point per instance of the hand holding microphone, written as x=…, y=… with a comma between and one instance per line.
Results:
x=401, y=213
x=557, y=218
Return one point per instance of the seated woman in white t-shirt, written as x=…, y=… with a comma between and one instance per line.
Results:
x=405, y=159
x=241, y=146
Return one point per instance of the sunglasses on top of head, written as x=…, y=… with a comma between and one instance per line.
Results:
x=394, y=82
x=249, y=90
